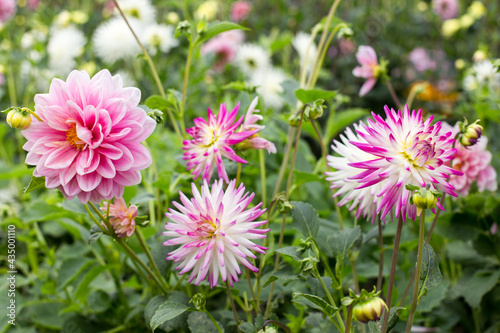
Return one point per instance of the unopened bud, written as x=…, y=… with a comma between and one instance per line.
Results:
x=426, y=200
x=471, y=133
x=369, y=310
x=19, y=118
x=198, y=301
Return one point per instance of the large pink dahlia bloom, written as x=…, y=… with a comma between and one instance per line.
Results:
x=369, y=68
x=216, y=230
x=402, y=149
x=212, y=140
x=89, y=142
x=474, y=161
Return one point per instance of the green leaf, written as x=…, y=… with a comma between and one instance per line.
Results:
x=376, y=326
x=247, y=327
x=311, y=95
x=305, y=219
x=340, y=120
x=290, y=251
x=71, y=268
x=474, y=287
x=15, y=172
x=216, y=28
x=240, y=86
x=199, y=322
x=429, y=271
x=157, y=102
x=314, y=302
x=433, y=297
x=83, y=288
x=334, y=21
x=99, y=301
x=167, y=311
x=35, y=182
x=343, y=240
x=286, y=277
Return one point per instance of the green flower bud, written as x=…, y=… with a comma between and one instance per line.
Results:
x=369, y=310
x=199, y=302
x=425, y=200
x=19, y=118
x=470, y=134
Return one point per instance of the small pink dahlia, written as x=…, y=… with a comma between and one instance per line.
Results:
x=212, y=140
x=474, y=162
x=446, y=9
x=215, y=229
x=250, y=124
x=224, y=47
x=369, y=68
x=89, y=142
x=402, y=149
x=122, y=218
x=240, y=10
x=7, y=10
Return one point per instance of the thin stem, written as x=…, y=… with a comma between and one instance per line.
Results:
x=213, y=321
x=185, y=84
x=286, y=156
x=303, y=70
x=249, y=279
x=354, y=273
x=349, y=320
x=263, y=176
x=332, y=301
x=393, y=93
x=145, y=247
x=380, y=255
x=33, y=114
x=233, y=307
x=393, y=271
x=238, y=174
x=151, y=66
x=414, y=302
x=104, y=231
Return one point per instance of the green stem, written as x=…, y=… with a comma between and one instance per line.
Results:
x=145, y=247
x=251, y=288
x=380, y=255
x=263, y=176
x=332, y=301
x=393, y=94
x=185, y=84
x=349, y=320
x=393, y=271
x=233, y=307
x=286, y=156
x=414, y=302
x=213, y=321
x=104, y=231
x=151, y=66
x=238, y=174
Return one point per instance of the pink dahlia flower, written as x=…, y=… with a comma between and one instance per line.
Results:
x=212, y=140
x=474, y=163
x=216, y=230
x=240, y=10
x=7, y=10
x=89, y=142
x=421, y=59
x=224, y=46
x=250, y=124
x=122, y=218
x=402, y=149
x=369, y=68
x=446, y=9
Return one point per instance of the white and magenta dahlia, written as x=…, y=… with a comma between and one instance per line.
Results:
x=403, y=149
x=216, y=230
x=250, y=124
x=88, y=143
x=212, y=140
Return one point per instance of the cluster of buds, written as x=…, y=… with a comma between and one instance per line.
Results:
x=469, y=133
x=18, y=117
x=367, y=306
x=423, y=198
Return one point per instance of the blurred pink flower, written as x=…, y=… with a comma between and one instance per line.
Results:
x=33, y=4
x=421, y=59
x=7, y=10
x=224, y=47
x=89, y=142
x=446, y=9
x=250, y=124
x=240, y=10
x=474, y=161
x=212, y=140
x=215, y=230
x=367, y=58
x=122, y=219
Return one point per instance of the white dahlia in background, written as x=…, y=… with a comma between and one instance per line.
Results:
x=403, y=150
x=306, y=48
x=141, y=10
x=64, y=46
x=269, y=82
x=251, y=58
x=160, y=36
x=114, y=41
x=216, y=230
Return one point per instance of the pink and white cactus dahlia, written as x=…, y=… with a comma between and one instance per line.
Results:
x=215, y=229
x=388, y=154
x=122, y=218
x=212, y=140
x=89, y=142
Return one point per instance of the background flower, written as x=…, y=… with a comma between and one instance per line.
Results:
x=216, y=230
x=446, y=9
x=122, y=218
x=367, y=58
x=240, y=10
x=88, y=144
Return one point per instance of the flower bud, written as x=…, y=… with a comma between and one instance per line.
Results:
x=471, y=134
x=121, y=217
x=199, y=302
x=19, y=118
x=426, y=200
x=369, y=310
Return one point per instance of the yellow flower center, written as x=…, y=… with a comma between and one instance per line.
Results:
x=73, y=138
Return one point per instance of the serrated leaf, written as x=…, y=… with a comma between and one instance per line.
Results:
x=290, y=251
x=285, y=276
x=311, y=95
x=343, y=240
x=216, y=28
x=247, y=327
x=167, y=311
x=305, y=219
x=429, y=271
x=474, y=287
x=199, y=322
x=314, y=302
x=35, y=182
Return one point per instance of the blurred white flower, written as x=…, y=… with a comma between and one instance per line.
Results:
x=160, y=36
x=251, y=58
x=141, y=10
x=270, y=87
x=113, y=40
x=485, y=71
x=64, y=46
x=306, y=49
x=128, y=80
